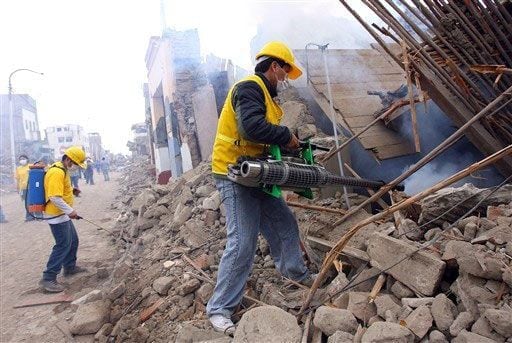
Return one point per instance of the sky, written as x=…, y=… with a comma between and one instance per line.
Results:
x=92, y=52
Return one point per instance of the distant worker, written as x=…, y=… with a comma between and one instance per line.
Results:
x=104, y=165
x=2, y=216
x=89, y=172
x=21, y=177
x=249, y=121
x=59, y=196
x=97, y=166
x=75, y=176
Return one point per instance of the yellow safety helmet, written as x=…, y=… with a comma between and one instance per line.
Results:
x=77, y=155
x=281, y=51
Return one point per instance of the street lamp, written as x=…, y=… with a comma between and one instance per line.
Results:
x=11, y=115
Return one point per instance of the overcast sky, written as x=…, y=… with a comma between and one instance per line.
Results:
x=92, y=52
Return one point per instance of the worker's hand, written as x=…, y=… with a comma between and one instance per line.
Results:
x=76, y=192
x=294, y=143
x=73, y=215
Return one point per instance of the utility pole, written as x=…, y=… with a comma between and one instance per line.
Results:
x=11, y=116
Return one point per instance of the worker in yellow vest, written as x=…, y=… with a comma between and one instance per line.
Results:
x=21, y=178
x=59, y=212
x=249, y=122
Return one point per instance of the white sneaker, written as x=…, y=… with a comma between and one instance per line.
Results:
x=223, y=324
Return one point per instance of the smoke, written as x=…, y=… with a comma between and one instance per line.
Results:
x=319, y=22
x=436, y=171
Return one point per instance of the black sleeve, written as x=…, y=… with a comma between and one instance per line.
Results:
x=249, y=104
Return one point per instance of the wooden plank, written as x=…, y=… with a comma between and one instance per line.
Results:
x=356, y=75
x=347, y=251
x=360, y=121
x=344, y=68
x=395, y=150
x=45, y=299
x=382, y=139
x=362, y=87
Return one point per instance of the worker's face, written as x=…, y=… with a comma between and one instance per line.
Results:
x=23, y=161
x=70, y=165
x=280, y=73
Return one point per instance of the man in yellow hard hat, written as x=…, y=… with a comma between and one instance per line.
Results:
x=59, y=212
x=249, y=121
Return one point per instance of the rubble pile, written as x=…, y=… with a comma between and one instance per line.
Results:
x=458, y=289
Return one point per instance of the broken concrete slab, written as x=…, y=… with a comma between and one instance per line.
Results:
x=419, y=321
x=381, y=332
x=189, y=333
x=386, y=302
x=500, y=321
x=470, y=337
x=90, y=317
x=93, y=295
x=462, y=322
x=330, y=320
x=267, y=324
x=401, y=291
x=341, y=337
x=162, y=284
x=437, y=337
x=385, y=251
x=444, y=312
x=417, y=302
x=482, y=327
x=357, y=304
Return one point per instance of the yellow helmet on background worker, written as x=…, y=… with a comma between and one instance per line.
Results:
x=284, y=53
x=77, y=155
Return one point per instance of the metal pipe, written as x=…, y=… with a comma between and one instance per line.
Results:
x=333, y=118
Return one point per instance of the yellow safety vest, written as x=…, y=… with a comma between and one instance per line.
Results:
x=57, y=183
x=229, y=145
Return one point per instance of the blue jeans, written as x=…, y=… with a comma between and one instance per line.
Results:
x=24, y=200
x=74, y=181
x=64, y=250
x=250, y=211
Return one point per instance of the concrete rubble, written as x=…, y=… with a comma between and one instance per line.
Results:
x=457, y=290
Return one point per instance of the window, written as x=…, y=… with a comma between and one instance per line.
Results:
x=61, y=139
x=69, y=139
x=66, y=129
x=59, y=129
x=26, y=124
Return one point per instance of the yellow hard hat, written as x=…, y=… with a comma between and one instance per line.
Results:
x=77, y=155
x=281, y=51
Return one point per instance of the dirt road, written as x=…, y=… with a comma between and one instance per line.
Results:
x=24, y=250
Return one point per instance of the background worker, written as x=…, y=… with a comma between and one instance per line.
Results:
x=105, y=168
x=89, y=172
x=21, y=177
x=249, y=121
x=59, y=197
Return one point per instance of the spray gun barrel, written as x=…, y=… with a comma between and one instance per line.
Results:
x=295, y=175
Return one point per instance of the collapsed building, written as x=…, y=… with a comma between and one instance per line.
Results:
x=184, y=96
x=432, y=266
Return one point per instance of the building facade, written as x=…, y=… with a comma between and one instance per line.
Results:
x=25, y=125
x=182, y=103
x=95, y=147
x=61, y=137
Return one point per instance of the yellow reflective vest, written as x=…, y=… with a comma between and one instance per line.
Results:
x=57, y=183
x=229, y=144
